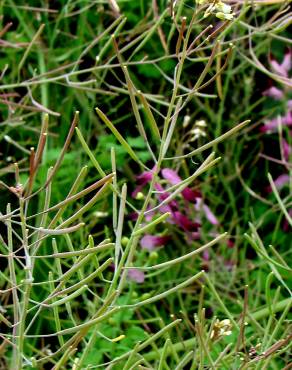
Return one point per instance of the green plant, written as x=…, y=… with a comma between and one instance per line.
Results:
x=166, y=86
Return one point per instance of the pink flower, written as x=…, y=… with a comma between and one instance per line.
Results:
x=180, y=215
x=274, y=92
x=287, y=60
x=277, y=94
x=173, y=178
x=151, y=241
x=272, y=125
x=280, y=182
x=136, y=275
x=208, y=213
x=282, y=69
x=206, y=256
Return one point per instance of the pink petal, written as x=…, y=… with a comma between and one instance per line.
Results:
x=278, y=68
x=287, y=120
x=136, y=275
x=272, y=125
x=206, y=255
x=280, y=182
x=171, y=176
x=191, y=236
x=286, y=63
x=210, y=215
x=162, y=195
x=274, y=92
x=151, y=241
x=144, y=178
x=195, y=235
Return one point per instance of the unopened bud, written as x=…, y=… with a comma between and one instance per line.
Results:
x=139, y=196
x=124, y=241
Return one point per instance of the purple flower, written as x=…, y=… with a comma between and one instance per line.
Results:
x=151, y=241
x=282, y=69
x=173, y=178
x=136, y=275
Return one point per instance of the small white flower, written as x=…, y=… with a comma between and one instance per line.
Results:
x=197, y=131
x=201, y=123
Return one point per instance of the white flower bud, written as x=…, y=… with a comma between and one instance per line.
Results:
x=224, y=16
x=186, y=120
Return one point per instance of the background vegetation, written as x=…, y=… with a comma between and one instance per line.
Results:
x=178, y=93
